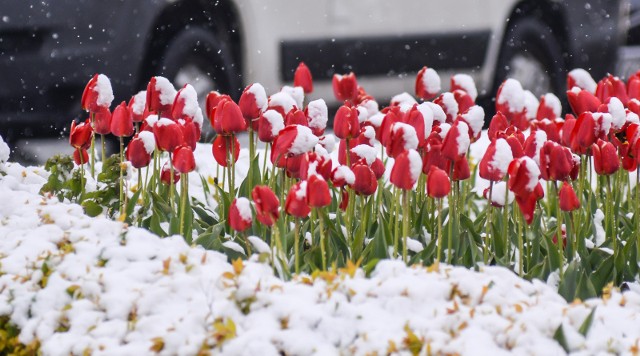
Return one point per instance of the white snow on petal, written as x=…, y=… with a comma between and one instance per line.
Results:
x=415, y=165
x=363, y=114
x=376, y=119
x=275, y=120
x=301, y=193
x=618, y=113
x=104, y=90
x=583, y=80
x=632, y=118
x=531, y=103
x=371, y=106
x=444, y=130
x=463, y=139
x=403, y=100
x=139, y=102
x=466, y=82
x=4, y=151
x=475, y=118
x=198, y=119
x=408, y=134
x=552, y=101
x=450, y=104
x=304, y=142
x=344, y=172
x=513, y=94
x=503, y=156
x=498, y=193
x=540, y=139
x=321, y=151
x=151, y=120
x=283, y=100
x=318, y=114
x=328, y=141
x=244, y=208
x=438, y=113
x=190, y=97
x=297, y=93
x=534, y=172
x=148, y=140
x=165, y=122
x=260, y=95
x=431, y=81
x=603, y=123
x=166, y=90
x=366, y=152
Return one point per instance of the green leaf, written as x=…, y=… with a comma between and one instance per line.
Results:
x=211, y=240
x=586, y=324
x=92, y=208
x=560, y=338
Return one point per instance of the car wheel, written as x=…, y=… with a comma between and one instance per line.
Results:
x=532, y=54
x=195, y=56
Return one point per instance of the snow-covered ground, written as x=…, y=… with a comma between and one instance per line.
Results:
x=81, y=284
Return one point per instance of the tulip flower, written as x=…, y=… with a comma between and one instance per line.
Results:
x=341, y=176
x=121, y=121
x=302, y=78
x=345, y=87
x=185, y=105
x=252, y=103
x=212, y=100
x=449, y=106
x=296, y=203
x=168, y=135
x=549, y=108
x=609, y=87
x=403, y=137
x=465, y=83
x=556, y=162
x=240, y=216
x=97, y=94
x=346, y=124
x=295, y=117
x=140, y=149
x=406, y=169
x=438, y=183
x=497, y=124
x=228, y=118
x=457, y=141
x=527, y=202
x=221, y=147
x=568, y=198
x=165, y=175
x=427, y=83
x=524, y=175
x=80, y=135
x=364, y=180
x=633, y=88
x=138, y=106
x=292, y=141
x=271, y=123
x=582, y=101
x=190, y=132
x=317, y=192
x=102, y=121
x=317, y=116
x=605, y=158
x=267, y=204
x=582, y=79
x=183, y=159
x=474, y=117
x=312, y=163
x=496, y=160
x=510, y=100
x=160, y=95
x=80, y=157
x=464, y=100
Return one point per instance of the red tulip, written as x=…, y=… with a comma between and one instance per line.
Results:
x=378, y=168
x=524, y=175
x=253, y=102
x=296, y=203
x=292, y=141
x=384, y=131
x=296, y=117
x=556, y=162
x=510, y=100
x=464, y=101
x=449, y=106
x=457, y=141
x=302, y=78
x=527, y=202
x=80, y=156
x=183, y=160
x=240, y=216
x=605, y=158
x=406, y=170
x=496, y=160
x=168, y=135
x=433, y=155
x=633, y=88
x=312, y=163
x=80, y=135
x=97, y=94
x=228, y=118
x=611, y=86
x=460, y=169
x=584, y=132
x=282, y=102
x=582, y=101
x=427, y=83
x=190, y=132
x=345, y=87
x=582, y=79
x=341, y=176
x=267, y=204
x=438, y=183
x=140, y=149
x=465, y=83
x=102, y=121
x=165, y=175
x=402, y=138
x=498, y=123
x=221, y=146
x=213, y=99
x=346, y=124
x=364, y=180
x=121, y=121
x=317, y=116
x=317, y=192
x=292, y=166
x=551, y=128
x=160, y=95
x=568, y=198
x=549, y=108
x=474, y=117
x=138, y=106
x=271, y=123
x=185, y=105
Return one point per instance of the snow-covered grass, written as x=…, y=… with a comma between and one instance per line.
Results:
x=78, y=284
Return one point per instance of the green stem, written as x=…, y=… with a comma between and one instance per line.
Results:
x=322, y=247
x=488, y=227
x=93, y=147
x=232, y=171
x=104, y=151
x=184, y=195
x=171, y=183
x=439, y=253
x=264, y=161
x=122, y=165
x=405, y=224
x=396, y=222
x=296, y=245
x=247, y=244
x=559, y=239
x=505, y=223
x=252, y=152
x=520, y=222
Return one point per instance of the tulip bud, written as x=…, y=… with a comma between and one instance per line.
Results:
x=140, y=149
x=568, y=198
x=438, y=183
x=605, y=158
x=318, y=192
x=267, y=205
x=302, y=78
x=365, y=181
x=346, y=124
x=271, y=123
x=240, y=216
x=160, y=95
x=102, y=121
x=427, y=83
x=165, y=175
x=168, y=135
x=138, y=106
x=185, y=105
x=121, y=121
x=496, y=160
x=253, y=102
x=221, y=147
x=406, y=170
x=80, y=156
x=183, y=159
x=97, y=94
x=80, y=135
x=345, y=87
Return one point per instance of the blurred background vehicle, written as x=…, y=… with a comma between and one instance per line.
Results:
x=49, y=50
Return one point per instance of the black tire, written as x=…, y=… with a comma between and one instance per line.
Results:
x=198, y=50
x=535, y=42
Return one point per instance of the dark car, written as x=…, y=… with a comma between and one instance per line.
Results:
x=49, y=50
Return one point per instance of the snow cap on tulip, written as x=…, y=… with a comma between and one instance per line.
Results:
x=271, y=123
x=549, y=107
x=428, y=83
x=253, y=102
x=317, y=116
x=406, y=169
x=160, y=95
x=582, y=79
x=496, y=160
x=466, y=83
x=97, y=93
x=240, y=216
x=457, y=141
x=296, y=202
